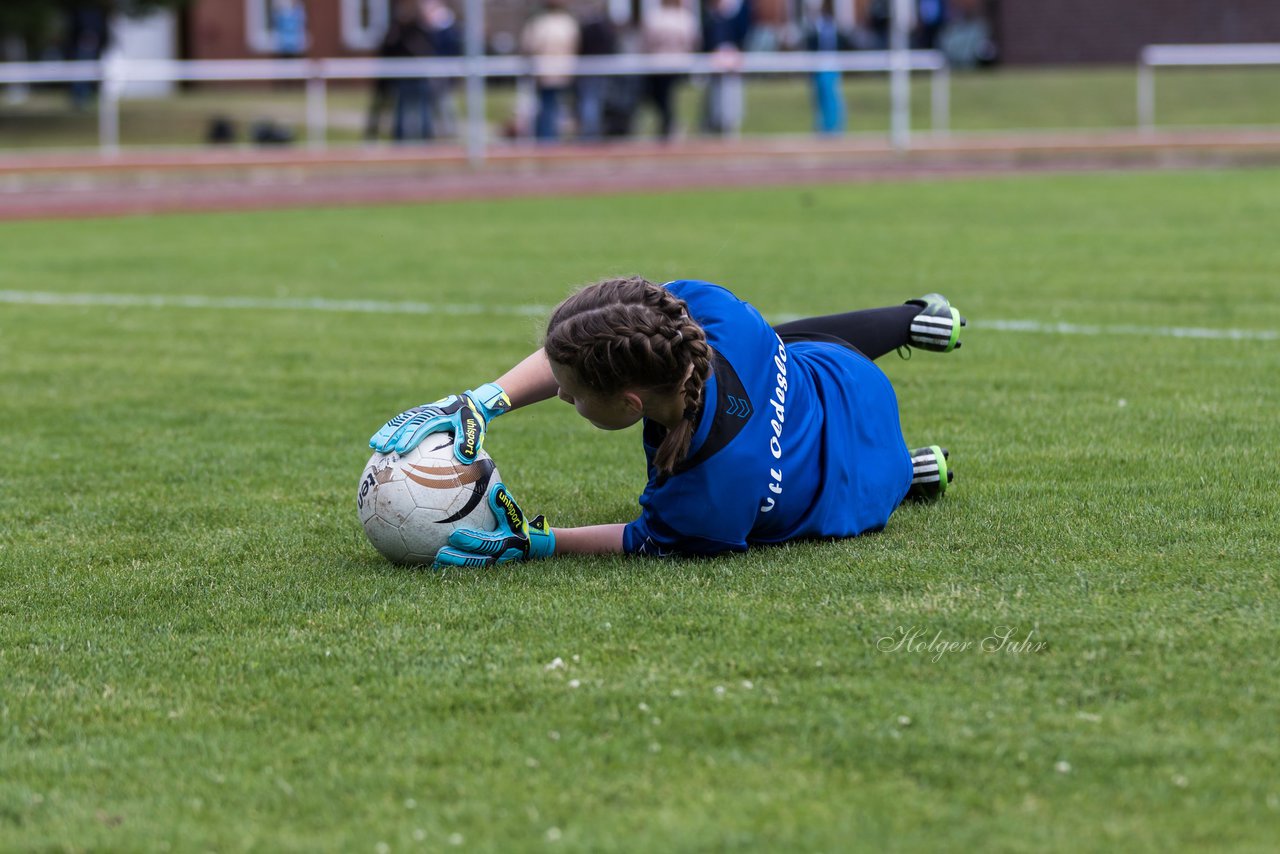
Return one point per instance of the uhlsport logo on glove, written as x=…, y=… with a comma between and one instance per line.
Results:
x=470, y=435
x=515, y=518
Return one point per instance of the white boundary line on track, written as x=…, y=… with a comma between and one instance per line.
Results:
x=47, y=298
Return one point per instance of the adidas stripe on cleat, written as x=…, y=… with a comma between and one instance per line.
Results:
x=930, y=473
x=937, y=326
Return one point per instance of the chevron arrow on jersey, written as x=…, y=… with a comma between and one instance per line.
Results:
x=738, y=406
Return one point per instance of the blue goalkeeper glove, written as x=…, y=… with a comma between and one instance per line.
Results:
x=513, y=539
x=465, y=415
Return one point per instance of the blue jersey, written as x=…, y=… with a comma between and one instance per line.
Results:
x=795, y=440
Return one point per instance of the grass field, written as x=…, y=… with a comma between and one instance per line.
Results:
x=198, y=650
x=1007, y=99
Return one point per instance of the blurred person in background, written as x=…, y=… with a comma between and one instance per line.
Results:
x=446, y=40
x=88, y=32
x=408, y=38
x=931, y=17
x=551, y=39
x=726, y=25
x=671, y=28
x=599, y=37
x=823, y=35
x=289, y=26
x=879, y=22
x=383, y=96
x=966, y=40
x=14, y=49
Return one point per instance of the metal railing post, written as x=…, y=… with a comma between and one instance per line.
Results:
x=110, y=84
x=477, y=126
x=900, y=76
x=942, y=100
x=1146, y=96
x=317, y=108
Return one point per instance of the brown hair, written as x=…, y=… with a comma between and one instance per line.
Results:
x=631, y=333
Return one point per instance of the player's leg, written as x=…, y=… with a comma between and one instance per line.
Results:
x=872, y=332
x=929, y=323
x=930, y=473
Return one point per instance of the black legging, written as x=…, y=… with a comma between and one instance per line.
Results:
x=660, y=89
x=872, y=332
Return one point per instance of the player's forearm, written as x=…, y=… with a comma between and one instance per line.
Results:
x=591, y=540
x=530, y=381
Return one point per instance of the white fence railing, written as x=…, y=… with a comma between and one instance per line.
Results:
x=1188, y=56
x=113, y=75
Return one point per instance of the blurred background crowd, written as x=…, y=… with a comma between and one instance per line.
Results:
x=551, y=103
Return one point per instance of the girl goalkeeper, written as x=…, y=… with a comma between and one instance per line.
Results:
x=753, y=434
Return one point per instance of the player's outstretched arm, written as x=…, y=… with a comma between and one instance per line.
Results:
x=591, y=540
x=468, y=415
x=530, y=381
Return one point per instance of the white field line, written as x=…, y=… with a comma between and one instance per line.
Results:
x=532, y=310
x=1129, y=329
x=266, y=303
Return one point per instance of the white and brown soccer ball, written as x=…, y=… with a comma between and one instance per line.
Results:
x=410, y=503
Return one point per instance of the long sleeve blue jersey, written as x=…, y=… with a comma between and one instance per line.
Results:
x=795, y=440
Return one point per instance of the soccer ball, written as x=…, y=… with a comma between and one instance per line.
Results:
x=410, y=503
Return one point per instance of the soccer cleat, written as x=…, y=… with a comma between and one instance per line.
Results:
x=930, y=473
x=937, y=326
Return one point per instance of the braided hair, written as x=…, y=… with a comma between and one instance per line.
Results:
x=631, y=333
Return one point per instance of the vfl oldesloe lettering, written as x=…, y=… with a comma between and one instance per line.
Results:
x=779, y=404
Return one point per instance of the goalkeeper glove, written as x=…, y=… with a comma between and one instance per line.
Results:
x=465, y=415
x=513, y=539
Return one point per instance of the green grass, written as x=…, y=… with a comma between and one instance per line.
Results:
x=1006, y=99
x=199, y=650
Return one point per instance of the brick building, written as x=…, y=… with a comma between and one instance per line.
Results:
x=1027, y=31
x=1072, y=31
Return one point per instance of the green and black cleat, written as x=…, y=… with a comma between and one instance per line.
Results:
x=930, y=473
x=937, y=326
